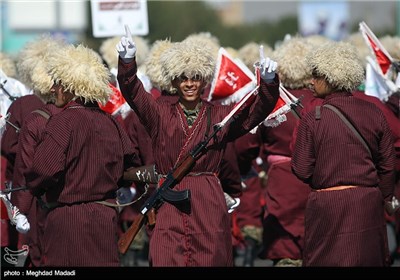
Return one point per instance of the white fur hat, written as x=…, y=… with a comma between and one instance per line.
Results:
x=234, y=53
x=41, y=81
x=188, y=59
x=317, y=40
x=35, y=54
x=153, y=65
x=7, y=65
x=81, y=71
x=110, y=54
x=250, y=53
x=206, y=40
x=294, y=72
x=338, y=63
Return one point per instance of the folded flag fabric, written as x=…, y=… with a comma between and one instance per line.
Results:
x=232, y=80
x=381, y=55
x=377, y=84
x=114, y=104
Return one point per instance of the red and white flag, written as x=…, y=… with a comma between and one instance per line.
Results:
x=232, y=80
x=377, y=84
x=381, y=55
x=115, y=102
x=234, y=83
x=282, y=107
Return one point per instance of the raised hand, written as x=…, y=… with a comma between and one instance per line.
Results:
x=267, y=67
x=126, y=47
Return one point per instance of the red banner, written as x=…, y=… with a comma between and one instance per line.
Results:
x=115, y=103
x=232, y=80
x=381, y=55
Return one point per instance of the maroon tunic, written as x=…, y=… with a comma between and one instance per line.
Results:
x=286, y=195
x=81, y=160
x=142, y=143
x=8, y=232
x=30, y=135
x=229, y=174
x=339, y=223
x=393, y=103
x=18, y=110
x=249, y=211
x=203, y=236
x=394, y=123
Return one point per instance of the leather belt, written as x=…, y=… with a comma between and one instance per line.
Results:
x=335, y=188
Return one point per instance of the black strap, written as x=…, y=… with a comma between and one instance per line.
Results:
x=43, y=113
x=318, y=112
x=349, y=125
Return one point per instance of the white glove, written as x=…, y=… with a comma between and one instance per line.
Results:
x=392, y=206
x=21, y=223
x=125, y=195
x=267, y=67
x=231, y=203
x=126, y=47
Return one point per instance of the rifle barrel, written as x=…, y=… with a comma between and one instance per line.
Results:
x=14, y=189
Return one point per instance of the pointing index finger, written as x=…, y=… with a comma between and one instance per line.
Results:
x=261, y=52
x=128, y=32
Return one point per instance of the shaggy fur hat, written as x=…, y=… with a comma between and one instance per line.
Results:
x=250, y=53
x=317, y=40
x=234, y=53
x=187, y=59
x=8, y=65
x=293, y=69
x=81, y=71
x=110, y=54
x=206, y=40
x=41, y=81
x=32, y=64
x=338, y=63
x=153, y=65
x=357, y=40
x=392, y=45
x=35, y=54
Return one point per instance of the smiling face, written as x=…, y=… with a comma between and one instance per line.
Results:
x=189, y=90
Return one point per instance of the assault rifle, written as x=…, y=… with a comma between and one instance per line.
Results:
x=165, y=192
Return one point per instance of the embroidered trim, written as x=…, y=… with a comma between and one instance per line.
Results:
x=193, y=130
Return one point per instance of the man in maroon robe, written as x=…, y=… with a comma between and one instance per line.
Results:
x=350, y=182
x=79, y=164
x=201, y=236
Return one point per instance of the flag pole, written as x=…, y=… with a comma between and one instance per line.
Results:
x=236, y=108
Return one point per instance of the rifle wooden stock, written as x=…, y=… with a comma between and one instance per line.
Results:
x=126, y=239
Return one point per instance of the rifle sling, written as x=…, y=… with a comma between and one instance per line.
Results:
x=52, y=205
x=349, y=125
x=43, y=113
